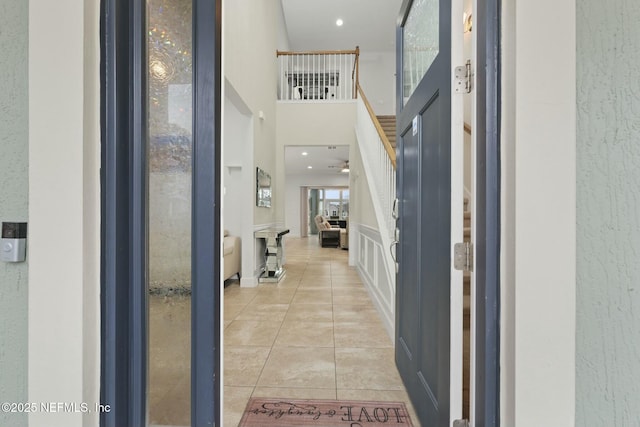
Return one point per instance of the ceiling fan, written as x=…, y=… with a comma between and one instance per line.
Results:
x=343, y=167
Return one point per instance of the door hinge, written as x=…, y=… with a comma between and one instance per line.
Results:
x=461, y=423
x=462, y=76
x=463, y=256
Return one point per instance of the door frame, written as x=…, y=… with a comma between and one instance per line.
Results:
x=124, y=225
x=485, y=372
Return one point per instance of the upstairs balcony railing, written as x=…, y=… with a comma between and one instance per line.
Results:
x=318, y=75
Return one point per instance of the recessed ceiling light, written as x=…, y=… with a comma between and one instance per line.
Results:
x=339, y=22
x=304, y=153
x=309, y=167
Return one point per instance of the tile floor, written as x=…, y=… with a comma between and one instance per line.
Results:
x=314, y=335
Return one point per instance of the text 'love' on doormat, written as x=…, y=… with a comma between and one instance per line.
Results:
x=324, y=413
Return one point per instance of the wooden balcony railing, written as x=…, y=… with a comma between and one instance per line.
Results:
x=318, y=75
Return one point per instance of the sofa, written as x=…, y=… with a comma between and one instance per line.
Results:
x=231, y=255
x=330, y=235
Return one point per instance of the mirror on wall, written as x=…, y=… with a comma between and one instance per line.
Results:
x=263, y=189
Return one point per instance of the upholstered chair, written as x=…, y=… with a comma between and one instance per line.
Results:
x=327, y=235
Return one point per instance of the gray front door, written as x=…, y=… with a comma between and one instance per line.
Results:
x=424, y=221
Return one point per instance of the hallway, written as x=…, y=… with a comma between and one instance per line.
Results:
x=314, y=335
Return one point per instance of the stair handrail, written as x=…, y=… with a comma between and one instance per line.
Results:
x=391, y=152
x=316, y=52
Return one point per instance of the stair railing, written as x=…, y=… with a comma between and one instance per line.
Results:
x=318, y=75
x=384, y=140
x=379, y=161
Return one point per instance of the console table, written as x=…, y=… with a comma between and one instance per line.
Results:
x=273, y=271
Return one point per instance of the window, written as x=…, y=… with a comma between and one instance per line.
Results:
x=333, y=203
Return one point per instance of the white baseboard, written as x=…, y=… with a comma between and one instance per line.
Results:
x=248, y=282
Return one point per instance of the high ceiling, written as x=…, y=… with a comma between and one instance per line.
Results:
x=369, y=24
x=311, y=25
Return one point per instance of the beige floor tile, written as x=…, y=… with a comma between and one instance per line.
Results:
x=251, y=333
x=317, y=271
x=288, y=282
x=361, y=335
x=355, y=313
x=351, y=296
x=326, y=285
x=312, y=296
x=243, y=365
x=346, y=278
x=294, y=333
x=274, y=296
x=315, y=283
x=367, y=368
x=310, y=313
x=312, y=278
x=231, y=311
x=295, y=265
x=266, y=312
x=238, y=295
x=295, y=393
x=302, y=367
x=235, y=402
x=339, y=283
x=340, y=267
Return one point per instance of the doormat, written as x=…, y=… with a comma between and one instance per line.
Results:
x=324, y=413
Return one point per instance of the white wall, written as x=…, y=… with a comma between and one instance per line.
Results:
x=293, y=182
x=237, y=148
x=239, y=179
x=253, y=31
x=362, y=211
x=608, y=202
x=283, y=33
x=378, y=80
x=545, y=188
x=63, y=254
x=251, y=38
x=14, y=191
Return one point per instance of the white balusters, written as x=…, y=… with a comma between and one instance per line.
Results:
x=317, y=76
x=383, y=173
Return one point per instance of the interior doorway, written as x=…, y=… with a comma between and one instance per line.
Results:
x=330, y=202
x=317, y=183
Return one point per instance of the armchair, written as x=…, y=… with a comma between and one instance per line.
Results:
x=327, y=235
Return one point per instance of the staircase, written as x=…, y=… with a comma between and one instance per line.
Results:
x=388, y=124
